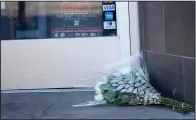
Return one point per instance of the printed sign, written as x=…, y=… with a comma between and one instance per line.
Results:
x=108, y=15
x=77, y=19
x=109, y=7
x=109, y=25
x=82, y=19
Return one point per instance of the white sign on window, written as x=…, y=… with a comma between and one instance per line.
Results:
x=2, y=5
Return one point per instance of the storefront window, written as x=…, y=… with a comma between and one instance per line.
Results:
x=40, y=20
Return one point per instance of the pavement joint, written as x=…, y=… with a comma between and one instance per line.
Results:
x=44, y=112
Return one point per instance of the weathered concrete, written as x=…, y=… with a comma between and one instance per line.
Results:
x=59, y=105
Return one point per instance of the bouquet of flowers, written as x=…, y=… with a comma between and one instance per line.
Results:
x=127, y=83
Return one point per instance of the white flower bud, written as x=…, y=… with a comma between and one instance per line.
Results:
x=125, y=70
x=98, y=97
x=98, y=90
x=97, y=87
x=116, y=74
x=104, y=78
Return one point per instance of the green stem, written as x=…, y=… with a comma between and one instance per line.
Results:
x=177, y=105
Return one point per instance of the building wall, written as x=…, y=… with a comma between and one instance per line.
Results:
x=167, y=34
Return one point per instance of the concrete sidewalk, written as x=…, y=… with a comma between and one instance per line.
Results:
x=58, y=105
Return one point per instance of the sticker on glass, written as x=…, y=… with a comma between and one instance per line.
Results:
x=84, y=34
x=77, y=34
x=109, y=25
x=62, y=35
x=92, y=34
x=109, y=7
x=108, y=15
x=56, y=35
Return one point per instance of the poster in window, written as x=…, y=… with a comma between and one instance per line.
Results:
x=76, y=19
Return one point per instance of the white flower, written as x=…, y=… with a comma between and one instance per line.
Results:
x=97, y=87
x=98, y=90
x=99, y=97
x=125, y=70
x=116, y=74
x=104, y=79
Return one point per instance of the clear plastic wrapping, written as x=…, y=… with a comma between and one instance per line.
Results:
x=127, y=82
x=125, y=76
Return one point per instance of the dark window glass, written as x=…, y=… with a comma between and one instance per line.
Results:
x=40, y=20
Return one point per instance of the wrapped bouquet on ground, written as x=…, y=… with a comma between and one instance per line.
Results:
x=127, y=83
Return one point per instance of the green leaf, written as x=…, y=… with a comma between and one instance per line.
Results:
x=110, y=94
x=124, y=99
x=133, y=96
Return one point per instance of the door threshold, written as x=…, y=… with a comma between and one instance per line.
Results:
x=46, y=90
